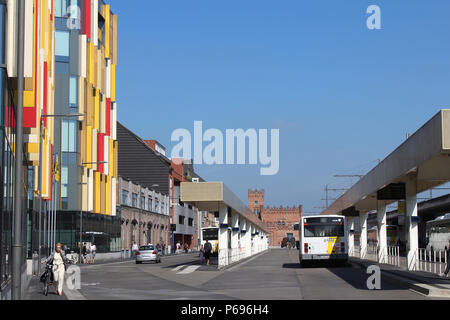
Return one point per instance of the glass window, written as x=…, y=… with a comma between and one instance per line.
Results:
x=143, y=203
x=73, y=99
x=64, y=181
x=190, y=222
x=134, y=200
x=124, y=197
x=324, y=230
x=60, y=8
x=62, y=40
x=69, y=136
x=180, y=219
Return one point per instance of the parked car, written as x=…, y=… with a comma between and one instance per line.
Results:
x=148, y=253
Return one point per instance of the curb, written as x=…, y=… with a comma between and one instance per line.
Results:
x=242, y=261
x=422, y=288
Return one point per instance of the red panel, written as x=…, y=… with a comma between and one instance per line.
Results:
x=51, y=172
x=45, y=92
x=10, y=119
x=101, y=151
x=86, y=18
x=29, y=117
x=108, y=117
x=51, y=11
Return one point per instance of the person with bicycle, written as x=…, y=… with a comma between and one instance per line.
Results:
x=58, y=261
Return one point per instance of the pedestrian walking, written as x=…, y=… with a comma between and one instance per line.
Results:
x=84, y=253
x=93, y=250
x=447, y=253
x=134, y=249
x=202, y=254
x=58, y=260
x=207, y=248
x=186, y=248
x=163, y=249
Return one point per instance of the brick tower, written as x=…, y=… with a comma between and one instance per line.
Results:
x=279, y=221
x=256, y=201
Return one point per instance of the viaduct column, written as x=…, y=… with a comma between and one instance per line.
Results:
x=382, y=236
x=243, y=250
x=363, y=236
x=234, y=238
x=223, y=236
x=412, y=228
x=351, y=235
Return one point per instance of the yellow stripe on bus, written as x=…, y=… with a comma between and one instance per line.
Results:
x=331, y=242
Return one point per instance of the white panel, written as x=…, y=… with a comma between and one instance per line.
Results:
x=91, y=190
x=28, y=62
x=114, y=121
x=108, y=78
x=106, y=154
x=82, y=55
x=11, y=39
x=94, y=24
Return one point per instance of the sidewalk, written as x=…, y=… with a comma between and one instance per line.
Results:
x=424, y=282
x=35, y=291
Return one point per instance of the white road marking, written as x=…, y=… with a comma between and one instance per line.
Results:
x=74, y=295
x=189, y=269
x=178, y=268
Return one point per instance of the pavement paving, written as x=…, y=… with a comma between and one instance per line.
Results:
x=275, y=275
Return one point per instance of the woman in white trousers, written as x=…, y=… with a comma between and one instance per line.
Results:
x=59, y=260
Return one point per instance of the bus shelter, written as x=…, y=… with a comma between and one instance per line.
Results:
x=241, y=233
x=420, y=163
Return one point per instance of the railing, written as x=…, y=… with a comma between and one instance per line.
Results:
x=431, y=260
x=372, y=252
x=393, y=255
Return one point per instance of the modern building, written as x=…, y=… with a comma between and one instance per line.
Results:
x=144, y=162
x=39, y=81
x=86, y=147
x=145, y=215
x=279, y=222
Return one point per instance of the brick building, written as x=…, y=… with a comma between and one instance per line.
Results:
x=279, y=221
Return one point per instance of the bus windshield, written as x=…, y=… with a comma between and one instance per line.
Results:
x=211, y=234
x=324, y=227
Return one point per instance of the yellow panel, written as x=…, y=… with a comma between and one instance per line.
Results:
x=97, y=192
x=28, y=98
x=107, y=30
x=32, y=147
x=102, y=194
x=89, y=145
x=97, y=109
x=111, y=157
x=91, y=68
x=113, y=82
x=108, y=196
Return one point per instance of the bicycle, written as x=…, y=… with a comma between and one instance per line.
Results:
x=47, y=278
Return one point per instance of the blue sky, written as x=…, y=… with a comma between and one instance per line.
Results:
x=342, y=96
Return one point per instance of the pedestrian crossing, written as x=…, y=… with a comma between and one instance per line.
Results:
x=185, y=269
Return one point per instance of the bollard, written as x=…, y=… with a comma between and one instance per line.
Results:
x=35, y=259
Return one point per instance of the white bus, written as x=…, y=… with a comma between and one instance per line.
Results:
x=212, y=235
x=438, y=233
x=322, y=238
